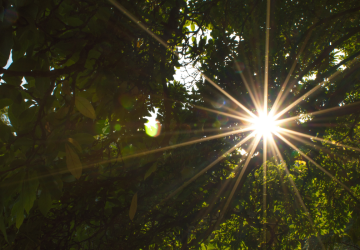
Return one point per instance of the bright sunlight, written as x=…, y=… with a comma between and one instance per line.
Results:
x=264, y=124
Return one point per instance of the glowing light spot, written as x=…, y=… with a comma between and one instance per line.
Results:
x=153, y=126
x=216, y=124
x=117, y=127
x=219, y=103
x=264, y=125
x=153, y=129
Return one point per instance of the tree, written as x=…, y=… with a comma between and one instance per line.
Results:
x=79, y=172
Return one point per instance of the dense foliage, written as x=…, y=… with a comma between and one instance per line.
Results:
x=78, y=171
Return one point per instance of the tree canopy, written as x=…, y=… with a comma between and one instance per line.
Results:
x=81, y=167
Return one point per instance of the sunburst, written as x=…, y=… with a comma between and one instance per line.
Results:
x=264, y=124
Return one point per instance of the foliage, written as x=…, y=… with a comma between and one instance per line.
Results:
x=78, y=171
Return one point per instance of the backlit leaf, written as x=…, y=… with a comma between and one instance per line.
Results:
x=73, y=162
x=133, y=207
x=85, y=107
x=75, y=143
x=192, y=26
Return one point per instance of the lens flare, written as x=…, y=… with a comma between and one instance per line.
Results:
x=153, y=128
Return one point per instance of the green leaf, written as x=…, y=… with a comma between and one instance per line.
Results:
x=42, y=84
x=5, y=132
x=85, y=107
x=73, y=21
x=2, y=226
x=75, y=143
x=29, y=191
x=6, y=43
x=19, y=213
x=23, y=64
x=150, y=170
x=45, y=201
x=73, y=162
x=5, y=102
x=13, y=80
x=133, y=207
x=192, y=26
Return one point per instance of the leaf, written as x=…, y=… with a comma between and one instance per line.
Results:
x=73, y=162
x=18, y=211
x=150, y=170
x=45, y=201
x=19, y=217
x=23, y=64
x=2, y=226
x=6, y=43
x=5, y=102
x=133, y=207
x=85, y=107
x=62, y=112
x=29, y=191
x=5, y=132
x=75, y=143
x=42, y=84
x=192, y=26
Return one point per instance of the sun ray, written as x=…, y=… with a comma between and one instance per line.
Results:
x=94, y=164
x=227, y=182
x=316, y=138
x=253, y=91
x=316, y=147
x=303, y=97
x=220, y=158
x=266, y=77
x=223, y=187
x=252, y=96
x=265, y=112
x=246, y=129
x=238, y=117
x=278, y=99
x=264, y=184
x=228, y=95
x=333, y=109
x=297, y=193
x=256, y=142
x=241, y=115
x=317, y=165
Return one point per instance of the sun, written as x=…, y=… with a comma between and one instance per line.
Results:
x=264, y=124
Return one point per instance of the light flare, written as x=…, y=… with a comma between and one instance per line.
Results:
x=264, y=125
